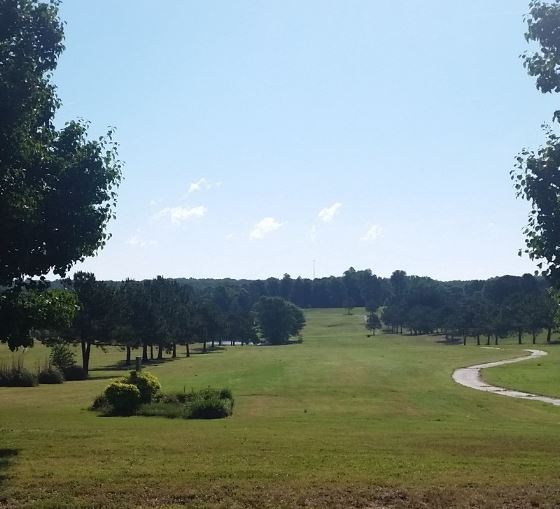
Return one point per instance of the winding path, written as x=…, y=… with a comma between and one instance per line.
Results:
x=470, y=377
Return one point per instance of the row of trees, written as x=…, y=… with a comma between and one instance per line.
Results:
x=494, y=308
x=152, y=314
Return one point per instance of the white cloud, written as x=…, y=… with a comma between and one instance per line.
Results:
x=203, y=184
x=133, y=240
x=179, y=215
x=374, y=232
x=230, y=236
x=327, y=214
x=264, y=227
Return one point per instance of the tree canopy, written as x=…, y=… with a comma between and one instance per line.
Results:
x=57, y=186
x=536, y=175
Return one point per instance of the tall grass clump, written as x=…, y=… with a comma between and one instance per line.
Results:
x=15, y=375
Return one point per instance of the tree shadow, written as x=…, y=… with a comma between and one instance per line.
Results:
x=122, y=366
x=6, y=457
x=450, y=341
x=209, y=350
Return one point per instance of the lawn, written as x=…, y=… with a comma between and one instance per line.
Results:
x=341, y=420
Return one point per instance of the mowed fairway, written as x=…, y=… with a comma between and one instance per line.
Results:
x=341, y=420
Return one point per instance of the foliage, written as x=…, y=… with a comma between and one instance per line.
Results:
x=373, y=322
x=169, y=409
x=62, y=356
x=57, y=186
x=101, y=403
x=28, y=311
x=74, y=373
x=15, y=375
x=147, y=384
x=50, y=375
x=123, y=398
x=278, y=319
x=209, y=406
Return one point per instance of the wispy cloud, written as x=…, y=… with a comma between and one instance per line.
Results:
x=373, y=233
x=203, y=184
x=179, y=215
x=134, y=240
x=230, y=236
x=264, y=227
x=328, y=213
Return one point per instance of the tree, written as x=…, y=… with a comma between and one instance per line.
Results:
x=277, y=319
x=536, y=175
x=91, y=324
x=57, y=186
x=372, y=322
x=26, y=313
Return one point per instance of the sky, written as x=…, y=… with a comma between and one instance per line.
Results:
x=259, y=136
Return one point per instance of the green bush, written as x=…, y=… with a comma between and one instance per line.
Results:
x=123, y=398
x=209, y=408
x=50, y=375
x=147, y=384
x=62, y=356
x=74, y=372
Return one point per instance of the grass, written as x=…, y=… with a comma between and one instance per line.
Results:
x=341, y=420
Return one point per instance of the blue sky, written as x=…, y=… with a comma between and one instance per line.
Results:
x=259, y=136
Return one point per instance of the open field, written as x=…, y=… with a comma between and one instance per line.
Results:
x=341, y=420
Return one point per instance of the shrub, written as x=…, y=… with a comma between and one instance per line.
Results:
x=62, y=356
x=171, y=409
x=74, y=372
x=209, y=408
x=147, y=384
x=50, y=375
x=17, y=376
x=101, y=403
x=123, y=398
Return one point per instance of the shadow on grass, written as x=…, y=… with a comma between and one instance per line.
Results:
x=6, y=456
x=450, y=341
x=122, y=366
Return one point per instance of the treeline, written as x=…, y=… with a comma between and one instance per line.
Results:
x=495, y=308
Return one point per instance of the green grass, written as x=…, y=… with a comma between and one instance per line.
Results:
x=341, y=420
x=537, y=376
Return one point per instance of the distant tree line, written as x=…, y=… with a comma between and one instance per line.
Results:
x=491, y=309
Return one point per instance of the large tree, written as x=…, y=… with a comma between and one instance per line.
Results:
x=537, y=173
x=278, y=319
x=57, y=187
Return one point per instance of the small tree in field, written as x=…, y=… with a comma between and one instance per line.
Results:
x=373, y=322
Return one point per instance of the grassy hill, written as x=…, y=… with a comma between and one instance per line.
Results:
x=341, y=420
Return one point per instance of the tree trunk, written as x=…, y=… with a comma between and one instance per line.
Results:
x=160, y=352
x=465, y=340
x=213, y=343
x=549, y=335
x=220, y=342
x=401, y=329
x=144, y=353
x=534, y=338
x=127, y=362
x=188, y=350
x=487, y=339
x=86, y=350
x=496, y=338
x=519, y=336
x=152, y=352
x=478, y=339
x=174, y=355
x=204, y=347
